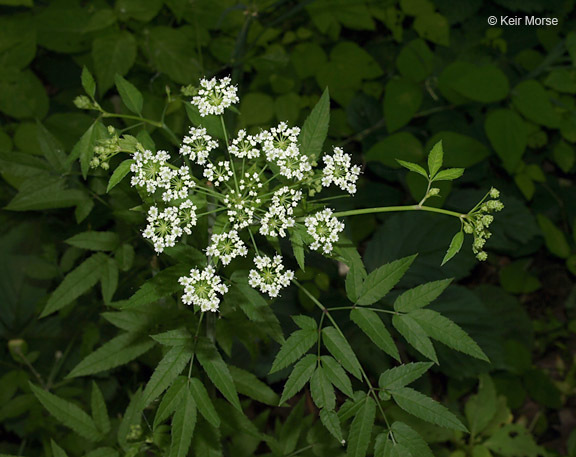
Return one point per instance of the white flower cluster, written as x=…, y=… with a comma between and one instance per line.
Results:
x=269, y=275
x=324, y=228
x=254, y=182
x=340, y=171
x=226, y=246
x=202, y=288
x=214, y=96
x=197, y=145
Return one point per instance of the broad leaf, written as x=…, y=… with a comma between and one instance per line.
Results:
x=449, y=174
x=95, y=241
x=371, y=324
x=413, y=167
x=435, y=159
x=420, y=296
x=322, y=391
x=131, y=96
x=52, y=149
x=299, y=377
x=119, y=174
x=171, y=400
x=203, y=402
x=315, y=127
x=411, y=440
x=402, y=375
x=455, y=246
x=217, y=370
x=295, y=347
x=382, y=280
x=361, y=429
x=339, y=347
x=68, y=414
x=331, y=421
x=99, y=410
x=177, y=337
x=132, y=417
x=425, y=408
x=249, y=385
x=336, y=375
x=183, y=425
x=414, y=335
x=88, y=82
x=57, y=451
x=444, y=330
x=118, y=351
x=76, y=283
x=166, y=372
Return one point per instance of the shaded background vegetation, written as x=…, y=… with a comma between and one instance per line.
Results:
x=402, y=75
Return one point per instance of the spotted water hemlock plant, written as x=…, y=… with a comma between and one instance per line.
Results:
x=237, y=215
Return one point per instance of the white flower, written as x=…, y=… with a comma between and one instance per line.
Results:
x=287, y=198
x=324, y=229
x=214, y=96
x=240, y=209
x=150, y=170
x=218, y=173
x=187, y=216
x=226, y=246
x=250, y=182
x=275, y=222
x=269, y=276
x=340, y=171
x=197, y=145
x=278, y=140
x=163, y=227
x=202, y=288
x=179, y=184
x=244, y=146
x=293, y=164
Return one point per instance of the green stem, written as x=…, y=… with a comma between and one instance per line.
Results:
x=229, y=155
x=135, y=118
x=194, y=348
x=342, y=308
x=326, y=311
x=392, y=209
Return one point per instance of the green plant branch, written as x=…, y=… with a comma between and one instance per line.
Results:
x=392, y=209
x=326, y=311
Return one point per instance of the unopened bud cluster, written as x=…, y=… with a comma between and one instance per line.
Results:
x=478, y=221
x=105, y=150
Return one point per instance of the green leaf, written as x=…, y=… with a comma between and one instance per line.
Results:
x=449, y=174
x=295, y=347
x=298, y=248
x=411, y=440
x=166, y=372
x=371, y=324
x=322, y=391
x=331, y=421
x=183, y=425
x=481, y=83
x=398, y=146
x=41, y=192
x=361, y=429
x=425, y=408
x=434, y=27
x=299, y=377
x=103, y=452
x=336, y=375
x=481, y=408
x=132, y=417
x=420, y=296
x=444, y=330
x=533, y=102
x=118, y=351
x=305, y=322
x=553, y=237
x=402, y=101
x=95, y=241
x=113, y=53
x=76, y=283
x=341, y=350
x=508, y=135
x=119, y=174
x=68, y=414
x=455, y=246
x=88, y=82
x=177, y=337
x=84, y=148
x=413, y=167
x=414, y=335
x=131, y=96
x=512, y=440
x=415, y=61
x=109, y=280
x=356, y=273
x=435, y=159
x=161, y=285
x=57, y=451
x=171, y=400
x=217, y=370
x=315, y=127
x=99, y=410
x=381, y=281
x=203, y=402
x=403, y=375
x=249, y=385
x=52, y=149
